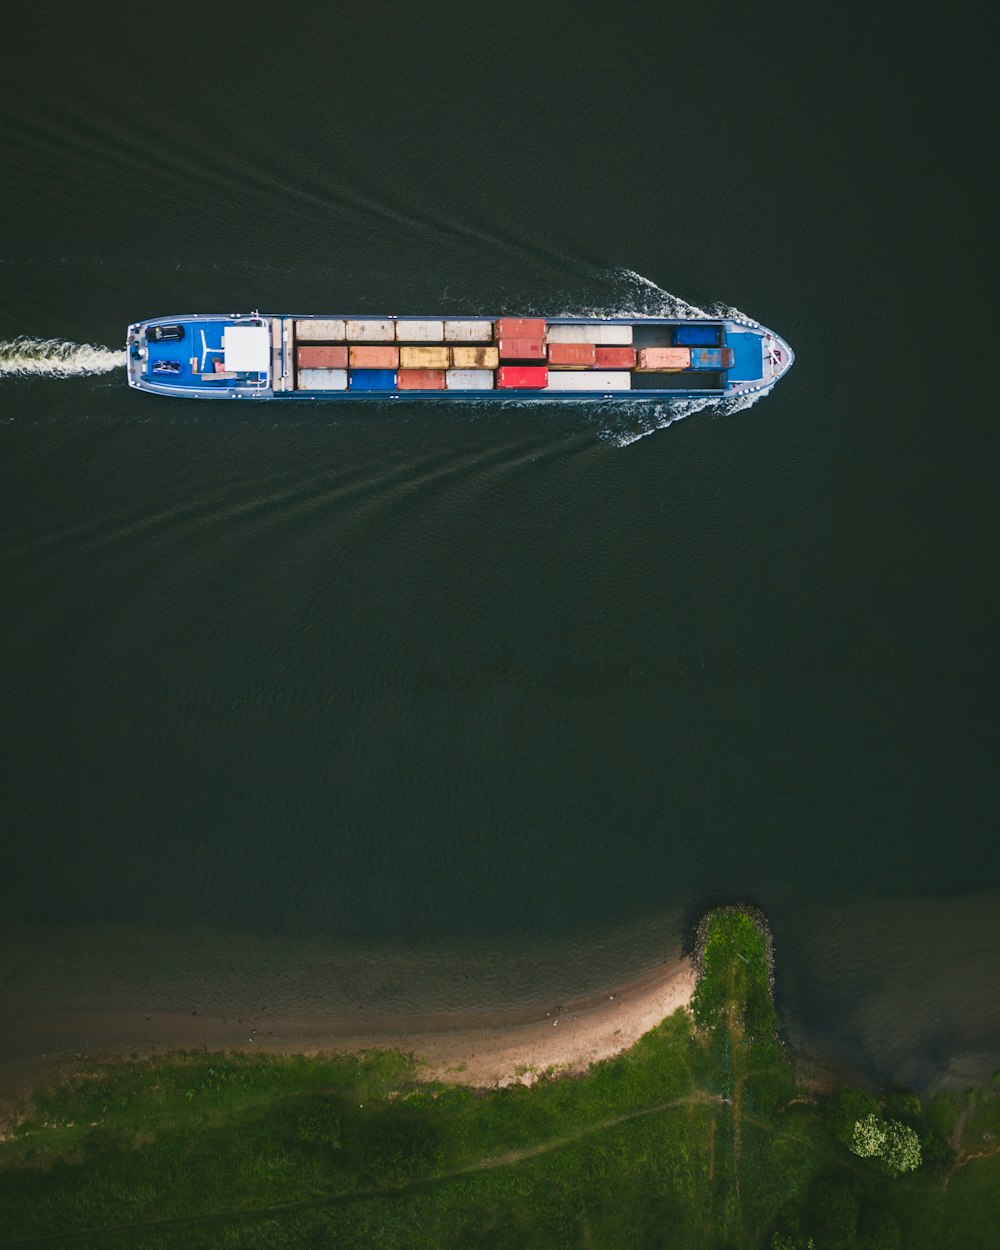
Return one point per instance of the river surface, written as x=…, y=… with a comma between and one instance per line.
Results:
x=450, y=708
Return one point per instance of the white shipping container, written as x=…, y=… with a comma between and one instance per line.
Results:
x=322, y=380
x=316, y=330
x=371, y=331
x=604, y=335
x=419, y=331
x=469, y=379
x=590, y=380
x=468, y=331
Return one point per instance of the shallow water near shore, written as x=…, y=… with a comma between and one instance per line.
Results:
x=459, y=709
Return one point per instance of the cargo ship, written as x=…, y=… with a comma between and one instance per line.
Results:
x=277, y=356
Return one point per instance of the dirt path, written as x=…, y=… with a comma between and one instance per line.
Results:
x=505, y=1160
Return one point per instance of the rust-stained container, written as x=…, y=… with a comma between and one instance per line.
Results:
x=468, y=331
x=420, y=380
x=322, y=357
x=469, y=379
x=408, y=331
x=521, y=349
x=664, y=359
x=318, y=330
x=572, y=355
x=370, y=331
x=322, y=380
x=521, y=377
x=425, y=357
x=520, y=328
x=475, y=357
x=615, y=357
x=374, y=356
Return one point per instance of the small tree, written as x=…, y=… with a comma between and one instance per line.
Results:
x=895, y=1145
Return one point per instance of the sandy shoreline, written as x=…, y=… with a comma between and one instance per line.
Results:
x=475, y=1050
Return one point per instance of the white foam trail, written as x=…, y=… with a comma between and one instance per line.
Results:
x=637, y=420
x=55, y=358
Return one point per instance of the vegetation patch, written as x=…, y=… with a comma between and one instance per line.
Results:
x=698, y=1136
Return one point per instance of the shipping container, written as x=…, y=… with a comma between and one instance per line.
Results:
x=572, y=355
x=322, y=380
x=694, y=335
x=468, y=331
x=419, y=331
x=374, y=356
x=425, y=357
x=366, y=331
x=420, y=379
x=517, y=377
x=590, y=380
x=521, y=349
x=371, y=380
x=469, y=380
x=320, y=331
x=520, y=328
x=322, y=357
x=607, y=335
x=666, y=359
x=711, y=358
x=475, y=357
x=615, y=357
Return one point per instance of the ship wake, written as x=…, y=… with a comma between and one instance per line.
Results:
x=56, y=358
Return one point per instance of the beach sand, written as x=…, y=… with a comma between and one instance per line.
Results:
x=477, y=1050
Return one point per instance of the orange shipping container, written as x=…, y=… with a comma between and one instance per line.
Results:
x=374, y=356
x=520, y=328
x=322, y=357
x=475, y=357
x=521, y=349
x=665, y=359
x=616, y=358
x=420, y=380
x=572, y=355
x=425, y=357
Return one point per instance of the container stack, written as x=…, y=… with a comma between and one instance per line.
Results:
x=512, y=353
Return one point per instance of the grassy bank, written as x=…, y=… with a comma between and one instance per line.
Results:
x=697, y=1136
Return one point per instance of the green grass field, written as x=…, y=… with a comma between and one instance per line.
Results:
x=699, y=1136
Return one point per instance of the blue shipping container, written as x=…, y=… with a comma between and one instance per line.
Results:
x=706, y=358
x=371, y=380
x=696, y=336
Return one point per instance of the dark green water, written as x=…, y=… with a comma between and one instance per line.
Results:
x=505, y=689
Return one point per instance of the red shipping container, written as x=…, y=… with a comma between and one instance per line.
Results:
x=420, y=380
x=572, y=355
x=520, y=328
x=514, y=377
x=374, y=356
x=521, y=349
x=616, y=358
x=322, y=357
